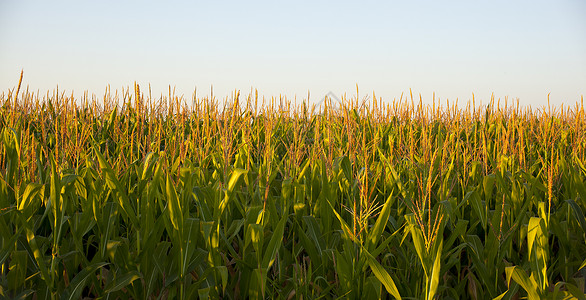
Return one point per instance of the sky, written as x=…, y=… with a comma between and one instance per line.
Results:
x=521, y=50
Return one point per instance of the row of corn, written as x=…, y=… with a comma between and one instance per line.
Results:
x=128, y=196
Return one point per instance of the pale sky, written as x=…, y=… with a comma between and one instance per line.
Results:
x=514, y=49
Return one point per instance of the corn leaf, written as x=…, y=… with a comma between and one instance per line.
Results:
x=382, y=275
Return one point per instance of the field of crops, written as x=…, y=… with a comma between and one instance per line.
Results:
x=131, y=196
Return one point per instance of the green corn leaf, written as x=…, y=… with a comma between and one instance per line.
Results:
x=224, y=275
x=303, y=172
x=578, y=213
x=32, y=190
x=379, y=226
x=344, y=271
x=521, y=278
x=190, y=239
x=235, y=178
x=346, y=167
x=17, y=269
x=78, y=283
x=501, y=296
x=419, y=244
x=536, y=242
x=7, y=248
x=122, y=281
x=478, y=207
x=114, y=184
x=384, y=244
x=39, y=258
x=12, y=142
x=111, y=121
x=204, y=293
x=373, y=288
x=433, y=281
x=111, y=211
x=532, y=231
x=23, y=295
x=382, y=275
x=256, y=288
x=175, y=209
x=488, y=184
x=274, y=244
x=575, y=291
x=314, y=232
x=347, y=233
x=256, y=234
x=309, y=246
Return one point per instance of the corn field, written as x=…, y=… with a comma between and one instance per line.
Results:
x=128, y=196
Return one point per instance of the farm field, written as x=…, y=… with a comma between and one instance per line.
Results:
x=129, y=196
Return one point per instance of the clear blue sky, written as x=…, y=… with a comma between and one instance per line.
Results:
x=518, y=49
